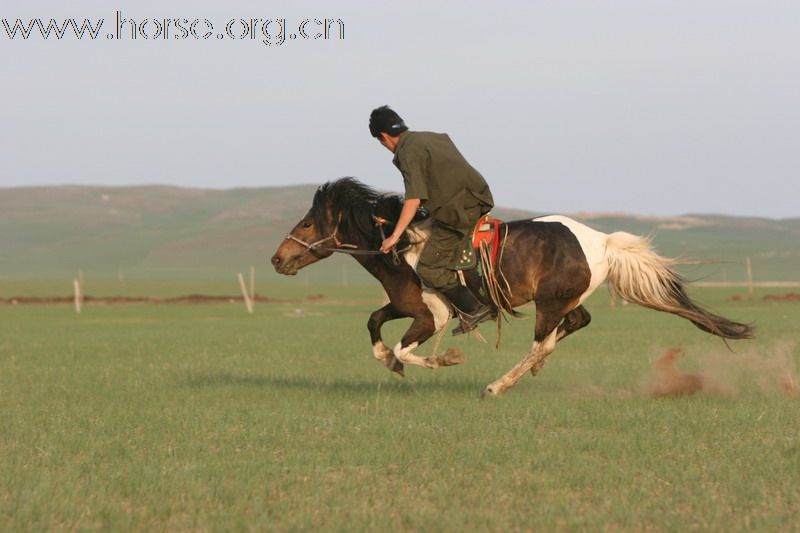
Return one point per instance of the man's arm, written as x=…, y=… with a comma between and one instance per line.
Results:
x=406, y=215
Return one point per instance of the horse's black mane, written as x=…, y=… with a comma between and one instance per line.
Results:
x=357, y=204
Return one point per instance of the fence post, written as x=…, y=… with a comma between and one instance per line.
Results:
x=247, y=302
x=749, y=278
x=76, y=287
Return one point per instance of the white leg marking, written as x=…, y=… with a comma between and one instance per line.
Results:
x=537, y=355
x=405, y=356
x=380, y=351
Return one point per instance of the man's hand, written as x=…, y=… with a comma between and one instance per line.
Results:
x=389, y=242
x=406, y=215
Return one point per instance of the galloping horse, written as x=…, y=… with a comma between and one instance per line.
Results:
x=553, y=261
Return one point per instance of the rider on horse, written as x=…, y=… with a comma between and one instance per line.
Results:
x=437, y=176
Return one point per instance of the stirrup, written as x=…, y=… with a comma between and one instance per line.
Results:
x=470, y=322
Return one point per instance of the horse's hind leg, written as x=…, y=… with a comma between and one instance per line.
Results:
x=573, y=321
x=544, y=342
x=380, y=351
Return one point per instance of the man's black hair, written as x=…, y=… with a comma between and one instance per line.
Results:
x=384, y=120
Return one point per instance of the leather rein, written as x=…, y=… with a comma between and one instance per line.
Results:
x=342, y=247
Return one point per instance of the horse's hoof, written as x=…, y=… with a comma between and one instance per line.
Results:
x=399, y=369
x=488, y=392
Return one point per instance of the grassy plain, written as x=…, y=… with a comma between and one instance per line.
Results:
x=179, y=417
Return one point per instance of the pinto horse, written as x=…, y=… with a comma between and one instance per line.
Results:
x=552, y=261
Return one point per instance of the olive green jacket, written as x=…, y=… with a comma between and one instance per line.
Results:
x=448, y=186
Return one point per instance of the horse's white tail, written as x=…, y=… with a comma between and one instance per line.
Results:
x=638, y=274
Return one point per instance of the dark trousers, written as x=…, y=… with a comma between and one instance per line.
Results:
x=436, y=267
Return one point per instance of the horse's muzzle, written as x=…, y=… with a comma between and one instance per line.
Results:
x=283, y=266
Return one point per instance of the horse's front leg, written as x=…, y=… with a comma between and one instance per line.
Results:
x=380, y=351
x=421, y=330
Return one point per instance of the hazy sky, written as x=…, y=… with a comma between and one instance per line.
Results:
x=646, y=107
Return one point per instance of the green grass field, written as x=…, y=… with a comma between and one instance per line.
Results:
x=202, y=418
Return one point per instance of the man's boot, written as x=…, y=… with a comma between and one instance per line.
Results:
x=470, y=310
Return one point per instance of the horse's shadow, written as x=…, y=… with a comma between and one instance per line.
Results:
x=398, y=385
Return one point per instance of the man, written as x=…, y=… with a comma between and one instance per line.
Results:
x=437, y=177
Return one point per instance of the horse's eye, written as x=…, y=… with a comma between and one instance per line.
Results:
x=307, y=224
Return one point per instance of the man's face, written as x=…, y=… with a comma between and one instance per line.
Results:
x=389, y=142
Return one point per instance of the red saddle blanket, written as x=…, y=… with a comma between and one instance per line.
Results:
x=487, y=232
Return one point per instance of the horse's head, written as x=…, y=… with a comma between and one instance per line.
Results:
x=342, y=212
x=309, y=241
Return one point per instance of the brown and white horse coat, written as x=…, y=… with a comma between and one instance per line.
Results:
x=554, y=261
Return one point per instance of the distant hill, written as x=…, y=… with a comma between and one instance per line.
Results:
x=166, y=232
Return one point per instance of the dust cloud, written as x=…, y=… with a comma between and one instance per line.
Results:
x=757, y=370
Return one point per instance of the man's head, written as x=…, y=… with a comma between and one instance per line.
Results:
x=386, y=126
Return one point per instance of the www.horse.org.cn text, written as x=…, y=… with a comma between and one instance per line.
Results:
x=268, y=31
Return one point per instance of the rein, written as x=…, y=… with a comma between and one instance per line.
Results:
x=342, y=247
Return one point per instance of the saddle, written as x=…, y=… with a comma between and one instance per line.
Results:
x=482, y=276
x=486, y=233
x=485, y=240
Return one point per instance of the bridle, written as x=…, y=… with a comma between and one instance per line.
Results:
x=311, y=246
x=317, y=245
x=342, y=247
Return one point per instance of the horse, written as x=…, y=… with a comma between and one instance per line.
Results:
x=553, y=261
